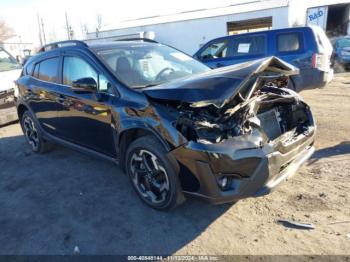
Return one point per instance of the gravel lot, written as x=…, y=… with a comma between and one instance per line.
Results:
x=51, y=203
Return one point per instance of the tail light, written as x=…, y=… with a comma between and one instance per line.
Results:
x=316, y=61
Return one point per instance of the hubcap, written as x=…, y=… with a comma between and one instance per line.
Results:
x=31, y=133
x=149, y=176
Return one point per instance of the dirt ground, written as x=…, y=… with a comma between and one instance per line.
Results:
x=51, y=203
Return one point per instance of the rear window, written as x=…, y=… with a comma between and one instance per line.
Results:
x=36, y=71
x=48, y=70
x=288, y=42
x=249, y=45
x=29, y=68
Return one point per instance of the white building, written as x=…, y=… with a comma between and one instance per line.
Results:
x=187, y=31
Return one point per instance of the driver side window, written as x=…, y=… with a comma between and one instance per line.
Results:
x=215, y=50
x=75, y=68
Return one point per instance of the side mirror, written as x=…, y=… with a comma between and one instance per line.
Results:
x=86, y=84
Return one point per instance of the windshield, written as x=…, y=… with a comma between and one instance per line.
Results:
x=146, y=65
x=344, y=42
x=7, y=62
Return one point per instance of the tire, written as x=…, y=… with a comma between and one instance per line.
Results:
x=33, y=135
x=152, y=174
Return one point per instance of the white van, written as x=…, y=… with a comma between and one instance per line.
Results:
x=10, y=70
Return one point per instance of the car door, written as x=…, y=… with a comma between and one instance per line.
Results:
x=42, y=93
x=85, y=117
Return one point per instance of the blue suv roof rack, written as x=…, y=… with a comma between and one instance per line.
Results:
x=62, y=44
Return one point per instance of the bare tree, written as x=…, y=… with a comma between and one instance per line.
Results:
x=5, y=31
x=98, y=23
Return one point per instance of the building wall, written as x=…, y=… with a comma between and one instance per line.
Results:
x=189, y=35
x=298, y=9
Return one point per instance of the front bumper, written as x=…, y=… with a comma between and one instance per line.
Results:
x=255, y=170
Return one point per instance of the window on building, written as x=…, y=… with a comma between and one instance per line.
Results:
x=48, y=70
x=288, y=42
x=247, y=26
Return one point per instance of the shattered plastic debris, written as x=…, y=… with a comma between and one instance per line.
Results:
x=339, y=222
x=294, y=224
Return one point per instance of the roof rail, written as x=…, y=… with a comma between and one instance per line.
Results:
x=62, y=44
x=138, y=39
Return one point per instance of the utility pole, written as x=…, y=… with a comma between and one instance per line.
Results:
x=67, y=27
x=20, y=45
x=43, y=30
x=41, y=40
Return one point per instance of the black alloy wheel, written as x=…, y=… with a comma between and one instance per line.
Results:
x=152, y=175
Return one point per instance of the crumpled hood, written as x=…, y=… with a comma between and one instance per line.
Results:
x=219, y=85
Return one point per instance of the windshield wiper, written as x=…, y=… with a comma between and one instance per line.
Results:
x=145, y=86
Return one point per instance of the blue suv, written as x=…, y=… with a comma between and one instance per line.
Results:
x=307, y=48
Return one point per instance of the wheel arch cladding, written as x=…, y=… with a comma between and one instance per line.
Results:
x=187, y=180
x=127, y=136
x=20, y=111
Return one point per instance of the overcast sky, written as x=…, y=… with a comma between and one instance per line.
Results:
x=21, y=15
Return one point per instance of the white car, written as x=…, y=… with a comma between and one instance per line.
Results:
x=10, y=70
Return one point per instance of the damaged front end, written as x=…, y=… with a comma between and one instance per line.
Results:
x=249, y=139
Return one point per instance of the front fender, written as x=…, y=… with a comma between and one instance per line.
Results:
x=132, y=124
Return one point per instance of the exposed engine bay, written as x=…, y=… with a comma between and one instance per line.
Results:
x=270, y=107
x=244, y=129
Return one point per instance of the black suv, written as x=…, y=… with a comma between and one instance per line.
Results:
x=175, y=126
